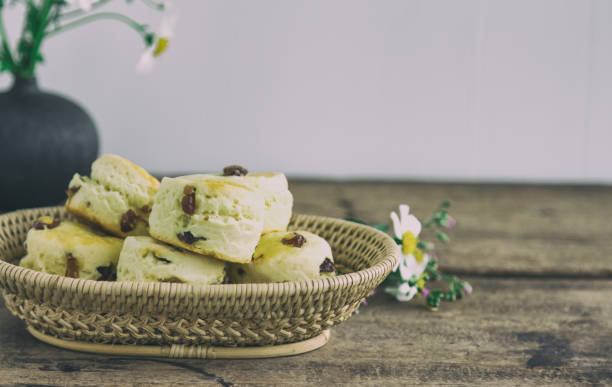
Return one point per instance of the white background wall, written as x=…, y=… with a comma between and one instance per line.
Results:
x=467, y=90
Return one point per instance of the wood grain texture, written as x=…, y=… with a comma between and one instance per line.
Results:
x=534, y=329
x=510, y=331
x=501, y=230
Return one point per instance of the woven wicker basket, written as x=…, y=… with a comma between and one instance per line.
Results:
x=180, y=320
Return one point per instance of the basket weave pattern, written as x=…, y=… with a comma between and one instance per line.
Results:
x=169, y=313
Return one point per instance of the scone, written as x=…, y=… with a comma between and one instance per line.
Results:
x=278, y=200
x=147, y=260
x=286, y=256
x=118, y=196
x=208, y=215
x=71, y=249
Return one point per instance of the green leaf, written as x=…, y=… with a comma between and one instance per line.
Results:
x=4, y=61
x=393, y=279
x=149, y=38
x=445, y=204
x=442, y=236
x=441, y=218
x=434, y=297
x=424, y=245
x=382, y=227
x=24, y=46
x=432, y=270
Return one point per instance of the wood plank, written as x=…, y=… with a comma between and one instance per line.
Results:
x=501, y=230
x=518, y=230
x=509, y=332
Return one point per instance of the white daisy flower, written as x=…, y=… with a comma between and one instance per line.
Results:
x=162, y=40
x=403, y=292
x=413, y=262
x=405, y=222
x=167, y=5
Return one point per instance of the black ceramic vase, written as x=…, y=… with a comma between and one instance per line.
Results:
x=44, y=140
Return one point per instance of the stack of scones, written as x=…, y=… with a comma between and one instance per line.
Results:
x=196, y=229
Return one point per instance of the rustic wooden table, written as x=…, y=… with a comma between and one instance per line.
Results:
x=539, y=259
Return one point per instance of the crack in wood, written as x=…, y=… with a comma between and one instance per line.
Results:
x=197, y=370
x=482, y=234
x=523, y=274
x=63, y=367
x=118, y=364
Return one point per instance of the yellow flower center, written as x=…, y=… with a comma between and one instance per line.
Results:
x=418, y=255
x=409, y=243
x=162, y=45
x=420, y=283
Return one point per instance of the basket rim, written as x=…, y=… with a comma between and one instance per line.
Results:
x=392, y=254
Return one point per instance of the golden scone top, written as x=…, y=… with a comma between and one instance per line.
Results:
x=72, y=232
x=274, y=188
x=130, y=166
x=118, y=174
x=286, y=256
x=118, y=196
x=71, y=249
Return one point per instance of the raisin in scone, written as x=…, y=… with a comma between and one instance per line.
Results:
x=286, y=256
x=208, y=215
x=71, y=249
x=147, y=260
x=274, y=187
x=118, y=196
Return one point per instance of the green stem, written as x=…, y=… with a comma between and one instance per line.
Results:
x=100, y=16
x=447, y=278
x=80, y=12
x=5, y=43
x=428, y=222
x=39, y=35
